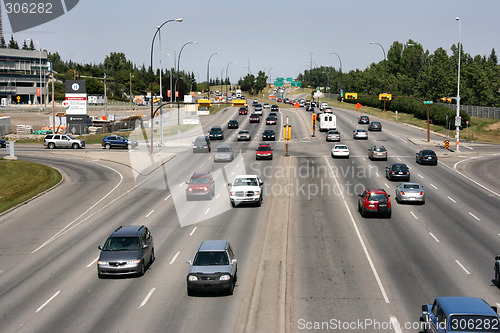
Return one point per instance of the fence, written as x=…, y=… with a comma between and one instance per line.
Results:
x=477, y=111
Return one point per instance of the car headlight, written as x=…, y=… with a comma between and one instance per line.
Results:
x=257, y=192
x=192, y=278
x=99, y=262
x=231, y=193
x=225, y=277
x=134, y=261
x=190, y=190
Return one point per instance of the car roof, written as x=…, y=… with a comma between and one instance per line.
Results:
x=200, y=174
x=130, y=230
x=465, y=305
x=227, y=147
x=410, y=184
x=213, y=245
x=375, y=190
x=398, y=164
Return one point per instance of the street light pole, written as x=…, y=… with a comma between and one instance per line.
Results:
x=152, y=74
x=341, y=92
x=178, y=75
x=227, y=68
x=208, y=74
x=40, y=70
x=385, y=68
x=458, y=85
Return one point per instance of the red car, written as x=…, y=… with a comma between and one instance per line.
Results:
x=264, y=151
x=243, y=110
x=254, y=118
x=278, y=100
x=374, y=201
x=201, y=185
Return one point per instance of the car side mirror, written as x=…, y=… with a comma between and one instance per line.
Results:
x=234, y=261
x=145, y=246
x=100, y=247
x=189, y=262
x=261, y=183
x=388, y=195
x=359, y=195
x=229, y=184
x=187, y=182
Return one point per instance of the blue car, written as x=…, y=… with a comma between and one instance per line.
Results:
x=118, y=141
x=3, y=144
x=460, y=314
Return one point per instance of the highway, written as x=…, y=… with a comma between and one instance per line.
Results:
x=306, y=258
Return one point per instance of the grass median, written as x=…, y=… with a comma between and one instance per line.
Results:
x=22, y=180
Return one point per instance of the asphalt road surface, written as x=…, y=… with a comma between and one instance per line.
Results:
x=306, y=258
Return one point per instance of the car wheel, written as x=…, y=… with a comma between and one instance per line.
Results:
x=190, y=291
x=363, y=213
x=259, y=203
x=129, y=147
x=230, y=291
x=51, y=145
x=100, y=276
x=271, y=158
x=75, y=146
x=143, y=269
x=235, y=276
x=188, y=198
x=233, y=204
x=107, y=146
x=388, y=214
x=152, y=259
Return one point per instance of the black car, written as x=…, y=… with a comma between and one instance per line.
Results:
x=274, y=107
x=128, y=250
x=271, y=120
x=3, y=144
x=268, y=135
x=426, y=156
x=310, y=107
x=398, y=171
x=363, y=120
x=375, y=126
x=233, y=124
x=118, y=141
x=216, y=133
x=201, y=144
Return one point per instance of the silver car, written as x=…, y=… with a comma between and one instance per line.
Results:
x=223, y=154
x=244, y=135
x=360, y=134
x=62, y=141
x=333, y=135
x=410, y=192
x=377, y=152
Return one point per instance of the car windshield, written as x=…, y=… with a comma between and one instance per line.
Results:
x=199, y=180
x=379, y=148
x=263, y=148
x=268, y=132
x=200, y=140
x=210, y=258
x=399, y=167
x=340, y=147
x=361, y=131
x=122, y=244
x=411, y=186
x=243, y=132
x=428, y=152
x=377, y=197
x=216, y=129
x=223, y=149
x=245, y=182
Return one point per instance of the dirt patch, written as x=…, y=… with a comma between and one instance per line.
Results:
x=493, y=127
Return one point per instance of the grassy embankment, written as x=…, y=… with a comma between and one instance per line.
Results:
x=22, y=180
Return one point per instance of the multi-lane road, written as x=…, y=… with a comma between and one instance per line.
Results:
x=306, y=258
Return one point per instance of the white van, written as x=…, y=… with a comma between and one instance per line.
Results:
x=327, y=121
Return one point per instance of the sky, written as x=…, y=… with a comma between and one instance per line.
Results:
x=278, y=36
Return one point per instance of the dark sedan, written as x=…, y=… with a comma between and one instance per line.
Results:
x=3, y=144
x=233, y=124
x=426, y=156
x=268, y=135
x=363, y=120
x=375, y=126
x=397, y=171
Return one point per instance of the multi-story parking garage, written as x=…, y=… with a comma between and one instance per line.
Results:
x=21, y=81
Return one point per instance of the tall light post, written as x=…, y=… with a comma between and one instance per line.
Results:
x=40, y=69
x=152, y=74
x=341, y=92
x=208, y=74
x=227, y=68
x=178, y=75
x=457, y=125
x=385, y=68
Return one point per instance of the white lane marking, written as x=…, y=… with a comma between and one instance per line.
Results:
x=168, y=197
x=181, y=185
x=416, y=218
x=462, y=266
x=237, y=165
x=151, y=212
x=498, y=305
x=147, y=297
x=207, y=211
x=192, y=232
x=217, y=196
x=451, y=199
x=377, y=174
x=474, y=216
x=398, y=159
x=368, y=257
x=48, y=301
x=173, y=259
x=472, y=180
x=435, y=238
x=468, y=147
x=396, y=325
x=434, y=186
x=386, y=185
x=420, y=176
x=70, y=225
x=93, y=262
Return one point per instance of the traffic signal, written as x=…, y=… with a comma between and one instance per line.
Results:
x=351, y=96
x=314, y=119
x=385, y=97
x=446, y=99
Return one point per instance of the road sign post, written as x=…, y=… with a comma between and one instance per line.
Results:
x=314, y=124
x=287, y=133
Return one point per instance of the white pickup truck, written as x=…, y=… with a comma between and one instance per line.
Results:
x=246, y=189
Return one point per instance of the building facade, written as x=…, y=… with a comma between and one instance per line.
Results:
x=23, y=76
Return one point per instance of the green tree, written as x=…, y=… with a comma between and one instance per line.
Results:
x=13, y=43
